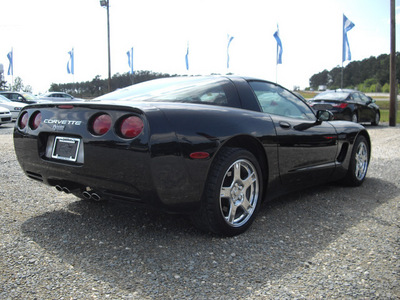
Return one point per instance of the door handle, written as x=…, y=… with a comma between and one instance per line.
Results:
x=285, y=125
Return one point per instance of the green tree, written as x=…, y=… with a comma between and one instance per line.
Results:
x=319, y=79
x=17, y=85
x=386, y=88
x=360, y=74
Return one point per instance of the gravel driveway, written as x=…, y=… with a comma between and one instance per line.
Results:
x=325, y=242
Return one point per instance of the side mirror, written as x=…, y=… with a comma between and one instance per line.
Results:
x=324, y=115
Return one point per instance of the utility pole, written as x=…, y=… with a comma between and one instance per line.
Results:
x=106, y=4
x=393, y=82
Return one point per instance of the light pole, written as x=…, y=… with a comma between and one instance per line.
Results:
x=106, y=3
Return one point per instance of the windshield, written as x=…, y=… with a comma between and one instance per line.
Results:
x=205, y=90
x=332, y=96
x=28, y=96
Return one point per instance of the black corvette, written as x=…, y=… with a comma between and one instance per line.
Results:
x=211, y=147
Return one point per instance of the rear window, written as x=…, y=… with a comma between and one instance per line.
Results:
x=184, y=90
x=332, y=96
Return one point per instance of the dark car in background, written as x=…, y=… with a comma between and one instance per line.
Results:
x=348, y=105
x=22, y=97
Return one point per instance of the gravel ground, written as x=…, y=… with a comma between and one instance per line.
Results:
x=326, y=242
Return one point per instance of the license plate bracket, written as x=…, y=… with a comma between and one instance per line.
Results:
x=66, y=148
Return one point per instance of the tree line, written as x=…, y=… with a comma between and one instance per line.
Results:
x=97, y=86
x=369, y=75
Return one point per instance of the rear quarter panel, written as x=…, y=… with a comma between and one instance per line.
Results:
x=207, y=129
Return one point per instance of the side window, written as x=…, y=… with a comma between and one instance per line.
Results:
x=364, y=98
x=275, y=100
x=357, y=97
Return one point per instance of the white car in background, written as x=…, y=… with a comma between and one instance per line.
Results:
x=5, y=115
x=13, y=107
x=59, y=96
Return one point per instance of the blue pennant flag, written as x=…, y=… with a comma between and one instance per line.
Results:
x=187, y=57
x=70, y=64
x=347, y=25
x=130, y=60
x=279, y=48
x=230, y=38
x=10, y=57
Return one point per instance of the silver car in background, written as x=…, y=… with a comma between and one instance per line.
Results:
x=13, y=107
x=58, y=96
x=5, y=115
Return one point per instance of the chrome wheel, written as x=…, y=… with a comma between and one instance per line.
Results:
x=239, y=193
x=361, y=161
x=354, y=118
x=377, y=119
x=232, y=194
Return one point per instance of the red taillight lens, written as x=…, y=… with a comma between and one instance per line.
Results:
x=36, y=120
x=341, y=105
x=101, y=124
x=23, y=120
x=131, y=127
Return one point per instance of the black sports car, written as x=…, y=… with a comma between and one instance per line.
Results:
x=210, y=147
x=348, y=105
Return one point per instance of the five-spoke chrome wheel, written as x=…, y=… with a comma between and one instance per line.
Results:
x=361, y=161
x=232, y=194
x=239, y=193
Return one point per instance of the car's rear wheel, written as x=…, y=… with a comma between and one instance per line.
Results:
x=354, y=117
x=232, y=195
x=359, y=162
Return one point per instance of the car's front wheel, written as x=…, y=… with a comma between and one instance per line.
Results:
x=375, y=122
x=359, y=162
x=233, y=193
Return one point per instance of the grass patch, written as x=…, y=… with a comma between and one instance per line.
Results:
x=385, y=116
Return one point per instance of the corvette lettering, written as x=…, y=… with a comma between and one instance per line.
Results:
x=62, y=122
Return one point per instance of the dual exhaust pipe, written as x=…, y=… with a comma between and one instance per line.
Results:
x=86, y=194
x=91, y=196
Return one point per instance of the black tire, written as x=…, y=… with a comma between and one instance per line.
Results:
x=375, y=122
x=354, y=117
x=232, y=194
x=359, y=162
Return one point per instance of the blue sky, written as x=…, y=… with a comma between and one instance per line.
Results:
x=42, y=32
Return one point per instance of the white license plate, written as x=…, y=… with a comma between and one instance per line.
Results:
x=65, y=148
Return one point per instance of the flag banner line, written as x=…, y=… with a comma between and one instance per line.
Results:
x=279, y=49
x=347, y=26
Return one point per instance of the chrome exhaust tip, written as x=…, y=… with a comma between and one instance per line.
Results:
x=66, y=190
x=96, y=197
x=59, y=188
x=87, y=195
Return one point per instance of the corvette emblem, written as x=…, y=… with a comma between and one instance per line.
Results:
x=59, y=125
x=62, y=122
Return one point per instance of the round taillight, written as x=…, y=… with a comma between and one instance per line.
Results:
x=36, y=119
x=101, y=124
x=23, y=120
x=131, y=127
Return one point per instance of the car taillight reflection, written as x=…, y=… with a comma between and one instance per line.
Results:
x=23, y=120
x=101, y=124
x=131, y=127
x=340, y=105
x=36, y=119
